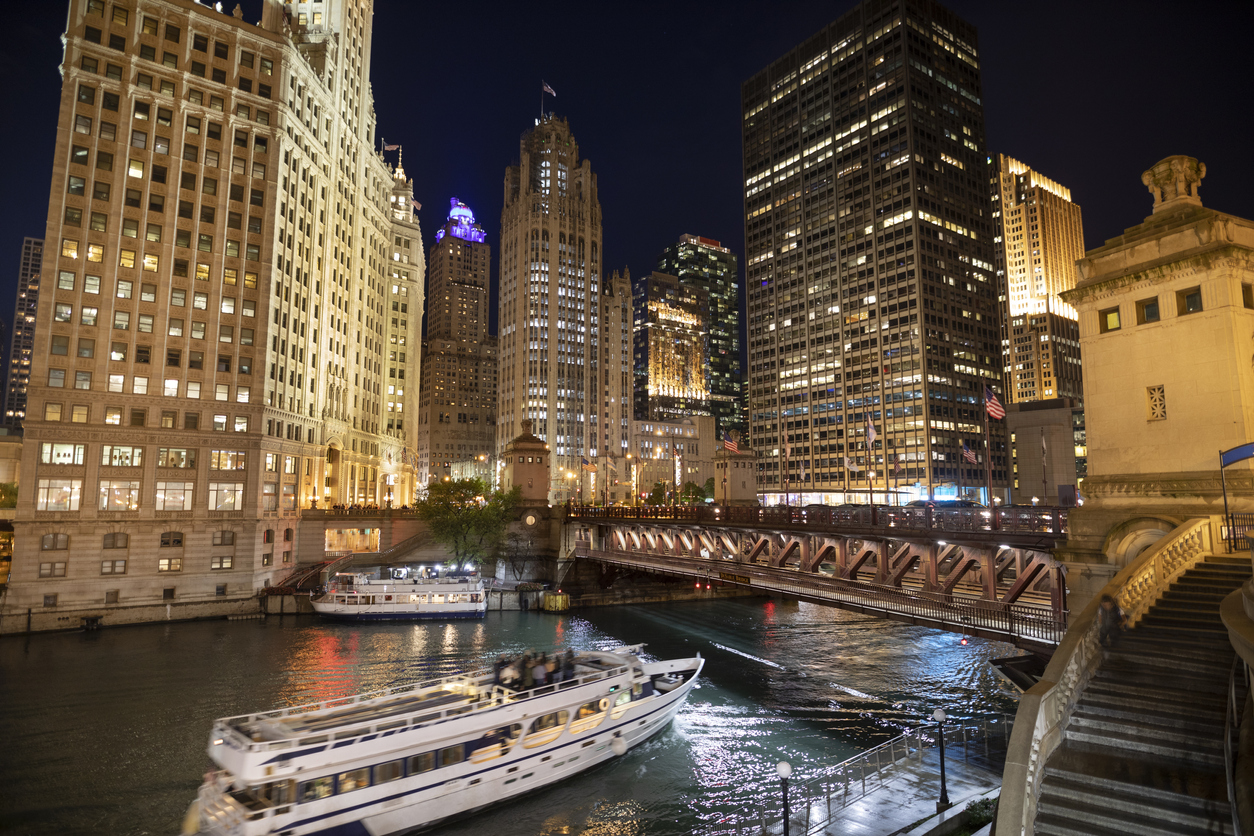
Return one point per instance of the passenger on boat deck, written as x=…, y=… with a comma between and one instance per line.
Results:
x=539, y=673
x=552, y=669
x=498, y=667
x=528, y=675
x=568, y=665
x=509, y=675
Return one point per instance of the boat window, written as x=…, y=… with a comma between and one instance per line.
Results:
x=354, y=779
x=422, y=763
x=548, y=721
x=390, y=771
x=589, y=716
x=315, y=789
x=452, y=755
x=620, y=704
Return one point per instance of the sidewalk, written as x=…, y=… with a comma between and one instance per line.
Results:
x=907, y=794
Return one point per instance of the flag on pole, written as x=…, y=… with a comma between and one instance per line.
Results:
x=610, y=463
x=387, y=147
x=897, y=468
x=803, y=470
x=1044, y=450
x=730, y=443
x=416, y=204
x=994, y=407
x=968, y=453
x=546, y=88
x=870, y=432
x=587, y=465
x=850, y=466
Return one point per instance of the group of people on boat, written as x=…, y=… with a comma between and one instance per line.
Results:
x=534, y=670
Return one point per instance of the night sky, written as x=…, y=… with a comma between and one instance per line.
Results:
x=1088, y=93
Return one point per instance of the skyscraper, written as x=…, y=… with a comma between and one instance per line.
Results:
x=872, y=301
x=669, y=345
x=707, y=264
x=23, y=344
x=229, y=258
x=564, y=330
x=1039, y=236
x=457, y=409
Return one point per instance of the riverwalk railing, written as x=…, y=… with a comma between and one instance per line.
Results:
x=1009, y=622
x=1034, y=520
x=816, y=800
x=1045, y=709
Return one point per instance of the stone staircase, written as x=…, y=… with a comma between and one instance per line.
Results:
x=1143, y=753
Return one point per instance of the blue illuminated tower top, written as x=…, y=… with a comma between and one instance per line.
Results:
x=461, y=224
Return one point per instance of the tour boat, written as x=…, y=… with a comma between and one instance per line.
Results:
x=361, y=598
x=401, y=760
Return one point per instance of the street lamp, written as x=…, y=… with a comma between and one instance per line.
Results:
x=784, y=768
x=939, y=716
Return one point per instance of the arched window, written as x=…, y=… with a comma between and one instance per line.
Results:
x=171, y=539
x=118, y=540
x=287, y=535
x=224, y=538
x=268, y=536
x=55, y=542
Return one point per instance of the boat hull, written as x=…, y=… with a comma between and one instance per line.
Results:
x=398, y=616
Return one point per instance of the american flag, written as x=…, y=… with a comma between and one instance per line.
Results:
x=994, y=407
x=968, y=453
x=587, y=465
x=387, y=147
x=729, y=443
x=546, y=88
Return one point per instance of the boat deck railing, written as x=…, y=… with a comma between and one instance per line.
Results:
x=379, y=710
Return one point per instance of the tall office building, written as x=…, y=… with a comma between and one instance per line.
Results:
x=1039, y=237
x=565, y=330
x=669, y=346
x=872, y=300
x=457, y=399
x=22, y=347
x=707, y=264
x=226, y=261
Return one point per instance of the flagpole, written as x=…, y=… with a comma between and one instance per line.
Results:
x=1044, y=480
x=961, y=461
x=988, y=450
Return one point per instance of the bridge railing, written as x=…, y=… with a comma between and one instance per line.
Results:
x=1027, y=520
x=1012, y=621
x=1045, y=709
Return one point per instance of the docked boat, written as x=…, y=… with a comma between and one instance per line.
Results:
x=404, y=759
x=358, y=597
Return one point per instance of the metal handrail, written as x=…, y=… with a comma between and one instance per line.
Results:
x=1232, y=732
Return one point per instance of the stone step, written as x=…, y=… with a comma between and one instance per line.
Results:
x=1174, y=615
x=1240, y=560
x=1152, y=678
x=1221, y=567
x=1150, y=778
x=1112, y=805
x=1131, y=710
x=1134, y=660
x=1107, y=688
x=1153, y=627
x=1173, y=647
x=1144, y=747
x=1210, y=599
x=1204, y=580
x=1061, y=824
x=1196, y=734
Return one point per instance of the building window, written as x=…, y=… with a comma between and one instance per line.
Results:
x=269, y=497
x=224, y=538
x=172, y=540
x=1189, y=301
x=1147, y=311
x=267, y=536
x=226, y=496
x=170, y=564
x=175, y=496
x=1156, y=401
x=1247, y=295
x=119, y=495
x=54, y=453
x=54, y=542
x=121, y=456
x=116, y=540
x=58, y=494
x=113, y=567
x=1108, y=320
x=52, y=570
x=224, y=562
x=227, y=459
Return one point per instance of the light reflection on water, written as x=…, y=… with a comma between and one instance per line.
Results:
x=106, y=731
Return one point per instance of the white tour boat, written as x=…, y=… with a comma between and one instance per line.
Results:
x=400, y=760
x=361, y=598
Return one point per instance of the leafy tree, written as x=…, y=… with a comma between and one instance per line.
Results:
x=8, y=494
x=467, y=518
x=657, y=496
x=709, y=488
x=691, y=493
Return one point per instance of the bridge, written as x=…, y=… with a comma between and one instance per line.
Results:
x=976, y=571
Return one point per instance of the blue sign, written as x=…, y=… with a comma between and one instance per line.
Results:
x=1236, y=454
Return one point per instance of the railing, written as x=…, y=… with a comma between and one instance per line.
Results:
x=1045, y=709
x=1048, y=521
x=1013, y=621
x=853, y=779
x=1235, y=532
x=1238, y=689
x=359, y=512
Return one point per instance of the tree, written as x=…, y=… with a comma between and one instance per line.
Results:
x=657, y=496
x=709, y=488
x=467, y=518
x=8, y=494
x=692, y=493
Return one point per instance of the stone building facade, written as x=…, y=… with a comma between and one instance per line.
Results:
x=213, y=355
x=22, y=347
x=670, y=348
x=456, y=433
x=565, y=328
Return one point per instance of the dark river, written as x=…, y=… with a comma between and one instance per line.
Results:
x=105, y=732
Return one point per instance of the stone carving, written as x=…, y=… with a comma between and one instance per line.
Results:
x=238, y=12
x=1175, y=180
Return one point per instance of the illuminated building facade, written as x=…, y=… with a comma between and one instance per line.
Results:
x=1039, y=237
x=707, y=264
x=869, y=260
x=565, y=330
x=669, y=342
x=23, y=345
x=227, y=257
x=457, y=409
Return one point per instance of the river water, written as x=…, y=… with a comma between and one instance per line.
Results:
x=105, y=732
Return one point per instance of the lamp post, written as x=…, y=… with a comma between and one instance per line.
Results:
x=784, y=768
x=939, y=716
